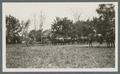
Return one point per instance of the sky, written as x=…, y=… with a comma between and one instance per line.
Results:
x=32, y=11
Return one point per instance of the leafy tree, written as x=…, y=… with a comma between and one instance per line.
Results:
x=25, y=26
x=13, y=30
x=106, y=20
x=32, y=33
x=82, y=28
x=39, y=35
x=62, y=27
x=16, y=31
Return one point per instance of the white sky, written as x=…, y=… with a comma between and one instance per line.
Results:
x=25, y=11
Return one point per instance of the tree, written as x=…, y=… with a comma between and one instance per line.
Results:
x=82, y=28
x=41, y=23
x=32, y=33
x=106, y=20
x=35, y=22
x=13, y=30
x=42, y=18
x=25, y=26
x=39, y=35
x=62, y=27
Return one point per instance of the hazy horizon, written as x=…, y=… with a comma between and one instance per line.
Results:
x=25, y=11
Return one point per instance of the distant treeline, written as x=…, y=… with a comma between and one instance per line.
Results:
x=63, y=28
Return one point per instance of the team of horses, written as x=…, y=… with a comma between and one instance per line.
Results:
x=108, y=39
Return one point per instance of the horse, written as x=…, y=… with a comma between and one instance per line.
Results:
x=110, y=39
x=100, y=39
x=90, y=39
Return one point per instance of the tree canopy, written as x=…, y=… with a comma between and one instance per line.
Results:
x=62, y=27
x=106, y=20
x=15, y=29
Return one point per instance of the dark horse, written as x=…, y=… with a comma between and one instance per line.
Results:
x=95, y=38
x=99, y=39
x=90, y=39
x=110, y=38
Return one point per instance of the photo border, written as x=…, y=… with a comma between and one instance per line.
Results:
x=59, y=70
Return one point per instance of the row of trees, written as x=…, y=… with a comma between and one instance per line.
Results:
x=63, y=27
x=105, y=23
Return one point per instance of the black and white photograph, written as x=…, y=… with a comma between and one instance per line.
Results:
x=60, y=36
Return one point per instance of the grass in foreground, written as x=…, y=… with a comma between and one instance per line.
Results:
x=61, y=56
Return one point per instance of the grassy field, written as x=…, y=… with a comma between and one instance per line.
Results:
x=59, y=56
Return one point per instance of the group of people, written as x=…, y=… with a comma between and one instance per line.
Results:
x=109, y=39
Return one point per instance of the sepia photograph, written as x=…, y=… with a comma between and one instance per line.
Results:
x=60, y=36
